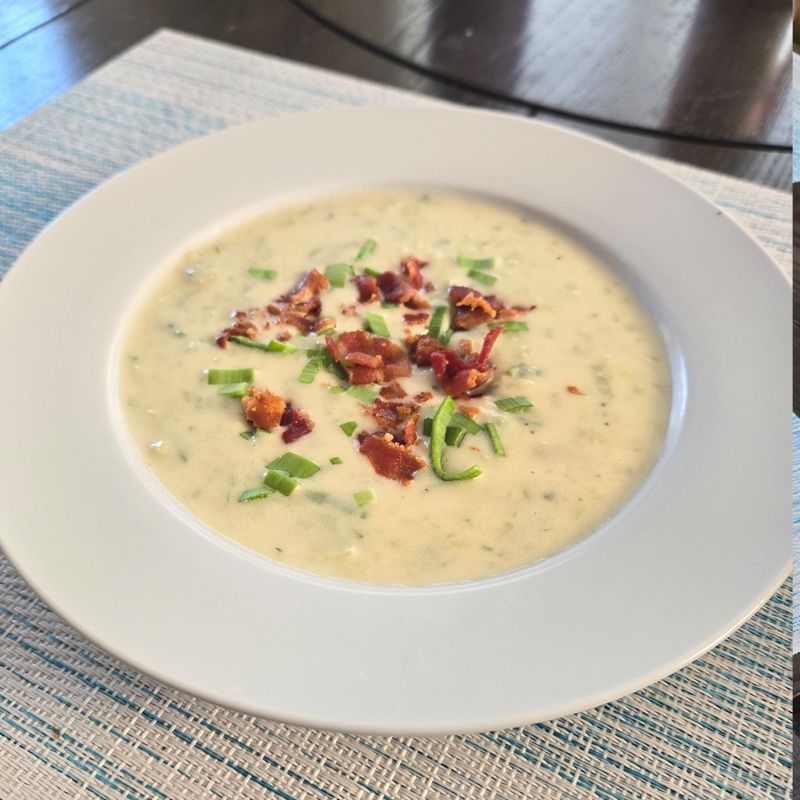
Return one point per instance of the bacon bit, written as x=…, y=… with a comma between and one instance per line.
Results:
x=420, y=349
x=398, y=417
x=241, y=327
x=574, y=390
x=299, y=425
x=458, y=376
x=367, y=288
x=368, y=358
x=350, y=311
x=308, y=287
x=423, y=397
x=301, y=307
x=394, y=391
x=262, y=408
x=469, y=411
x=396, y=290
x=471, y=308
x=429, y=287
x=465, y=347
x=390, y=459
x=410, y=267
x=416, y=319
x=284, y=336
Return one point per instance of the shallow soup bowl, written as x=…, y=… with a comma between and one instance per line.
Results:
x=697, y=549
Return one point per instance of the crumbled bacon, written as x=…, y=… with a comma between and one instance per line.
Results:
x=574, y=390
x=469, y=411
x=350, y=311
x=367, y=358
x=458, y=376
x=396, y=290
x=301, y=307
x=242, y=326
x=423, y=397
x=284, y=336
x=393, y=391
x=398, y=417
x=465, y=347
x=262, y=408
x=390, y=459
x=410, y=267
x=367, y=287
x=416, y=319
x=299, y=424
x=421, y=348
x=470, y=308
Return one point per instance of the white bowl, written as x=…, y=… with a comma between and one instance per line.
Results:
x=697, y=550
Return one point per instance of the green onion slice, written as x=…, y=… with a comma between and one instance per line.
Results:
x=293, y=465
x=387, y=304
x=364, y=497
x=453, y=435
x=249, y=435
x=446, y=336
x=266, y=274
x=435, y=325
x=372, y=271
x=513, y=404
x=511, y=325
x=337, y=274
x=366, y=249
x=482, y=277
x=475, y=263
x=310, y=370
x=217, y=376
x=336, y=460
x=255, y=494
x=494, y=437
x=273, y=346
x=441, y=419
x=234, y=389
x=378, y=325
x=348, y=427
x=469, y=425
x=362, y=394
x=280, y=482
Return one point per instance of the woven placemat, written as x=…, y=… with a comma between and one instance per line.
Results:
x=75, y=722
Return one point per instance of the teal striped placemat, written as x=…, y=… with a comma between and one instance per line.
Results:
x=76, y=723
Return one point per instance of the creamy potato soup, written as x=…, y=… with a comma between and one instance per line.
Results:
x=396, y=387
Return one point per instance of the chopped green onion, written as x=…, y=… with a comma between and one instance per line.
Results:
x=513, y=404
x=362, y=498
x=453, y=436
x=255, y=494
x=522, y=371
x=372, y=271
x=272, y=346
x=366, y=249
x=176, y=331
x=378, y=325
x=475, y=263
x=469, y=425
x=233, y=389
x=337, y=274
x=482, y=277
x=280, y=481
x=310, y=370
x=336, y=460
x=441, y=419
x=446, y=336
x=251, y=434
x=348, y=427
x=511, y=325
x=387, y=304
x=293, y=465
x=494, y=437
x=435, y=325
x=325, y=331
x=337, y=389
x=362, y=394
x=266, y=274
x=216, y=376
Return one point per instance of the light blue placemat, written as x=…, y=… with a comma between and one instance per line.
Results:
x=76, y=723
x=795, y=117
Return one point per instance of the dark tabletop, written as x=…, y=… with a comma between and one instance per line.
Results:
x=708, y=87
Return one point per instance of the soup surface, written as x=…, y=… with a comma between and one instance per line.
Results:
x=575, y=387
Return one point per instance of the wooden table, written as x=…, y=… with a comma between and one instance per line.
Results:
x=700, y=81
